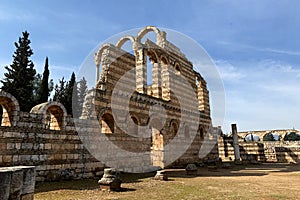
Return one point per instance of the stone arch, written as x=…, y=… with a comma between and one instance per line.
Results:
x=153, y=55
x=124, y=39
x=107, y=121
x=174, y=127
x=251, y=137
x=164, y=60
x=133, y=122
x=186, y=131
x=177, y=69
x=148, y=29
x=54, y=114
x=10, y=106
x=98, y=59
x=201, y=131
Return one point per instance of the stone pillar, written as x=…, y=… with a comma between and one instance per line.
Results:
x=236, y=147
x=203, y=96
x=156, y=80
x=97, y=73
x=141, y=71
x=165, y=74
x=28, y=183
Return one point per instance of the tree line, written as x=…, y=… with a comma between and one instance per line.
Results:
x=31, y=88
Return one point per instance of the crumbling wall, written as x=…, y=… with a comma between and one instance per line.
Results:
x=265, y=151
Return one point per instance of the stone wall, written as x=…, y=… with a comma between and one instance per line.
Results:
x=279, y=151
x=45, y=140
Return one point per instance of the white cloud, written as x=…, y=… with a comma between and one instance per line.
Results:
x=256, y=48
x=228, y=72
x=267, y=97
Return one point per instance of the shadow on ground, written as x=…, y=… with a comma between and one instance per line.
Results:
x=234, y=170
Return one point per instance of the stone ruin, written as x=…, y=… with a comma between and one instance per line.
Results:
x=48, y=138
x=234, y=147
x=123, y=79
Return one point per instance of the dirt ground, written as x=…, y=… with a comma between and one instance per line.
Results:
x=263, y=181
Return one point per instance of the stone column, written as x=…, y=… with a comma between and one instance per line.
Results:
x=165, y=74
x=141, y=71
x=156, y=80
x=203, y=96
x=97, y=73
x=236, y=147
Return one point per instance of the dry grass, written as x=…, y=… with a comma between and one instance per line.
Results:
x=266, y=181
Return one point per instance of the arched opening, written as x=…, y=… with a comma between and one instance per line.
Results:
x=54, y=114
x=177, y=69
x=173, y=128
x=133, y=126
x=98, y=60
x=151, y=60
x=126, y=43
x=107, y=123
x=5, y=118
x=271, y=137
x=251, y=138
x=201, y=130
x=186, y=131
x=55, y=117
x=9, y=108
x=146, y=30
x=149, y=71
x=292, y=136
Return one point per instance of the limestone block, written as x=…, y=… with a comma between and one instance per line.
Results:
x=5, y=179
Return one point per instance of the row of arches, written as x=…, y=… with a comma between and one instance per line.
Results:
x=108, y=126
x=54, y=113
x=151, y=69
x=272, y=136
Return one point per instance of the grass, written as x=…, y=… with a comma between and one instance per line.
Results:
x=266, y=181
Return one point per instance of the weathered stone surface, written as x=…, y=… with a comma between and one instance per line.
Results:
x=17, y=182
x=191, y=169
x=110, y=180
x=5, y=180
x=161, y=175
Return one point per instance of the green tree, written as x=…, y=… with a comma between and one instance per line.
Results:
x=268, y=137
x=42, y=86
x=82, y=91
x=292, y=136
x=64, y=92
x=69, y=94
x=59, y=91
x=44, y=92
x=20, y=76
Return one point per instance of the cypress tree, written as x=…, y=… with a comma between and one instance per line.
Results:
x=20, y=76
x=82, y=91
x=44, y=90
x=69, y=93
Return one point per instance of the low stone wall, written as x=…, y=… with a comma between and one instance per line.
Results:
x=279, y=151
x=57, y=154
x=17, y=183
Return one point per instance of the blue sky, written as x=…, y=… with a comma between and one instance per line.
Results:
x=255, y=45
